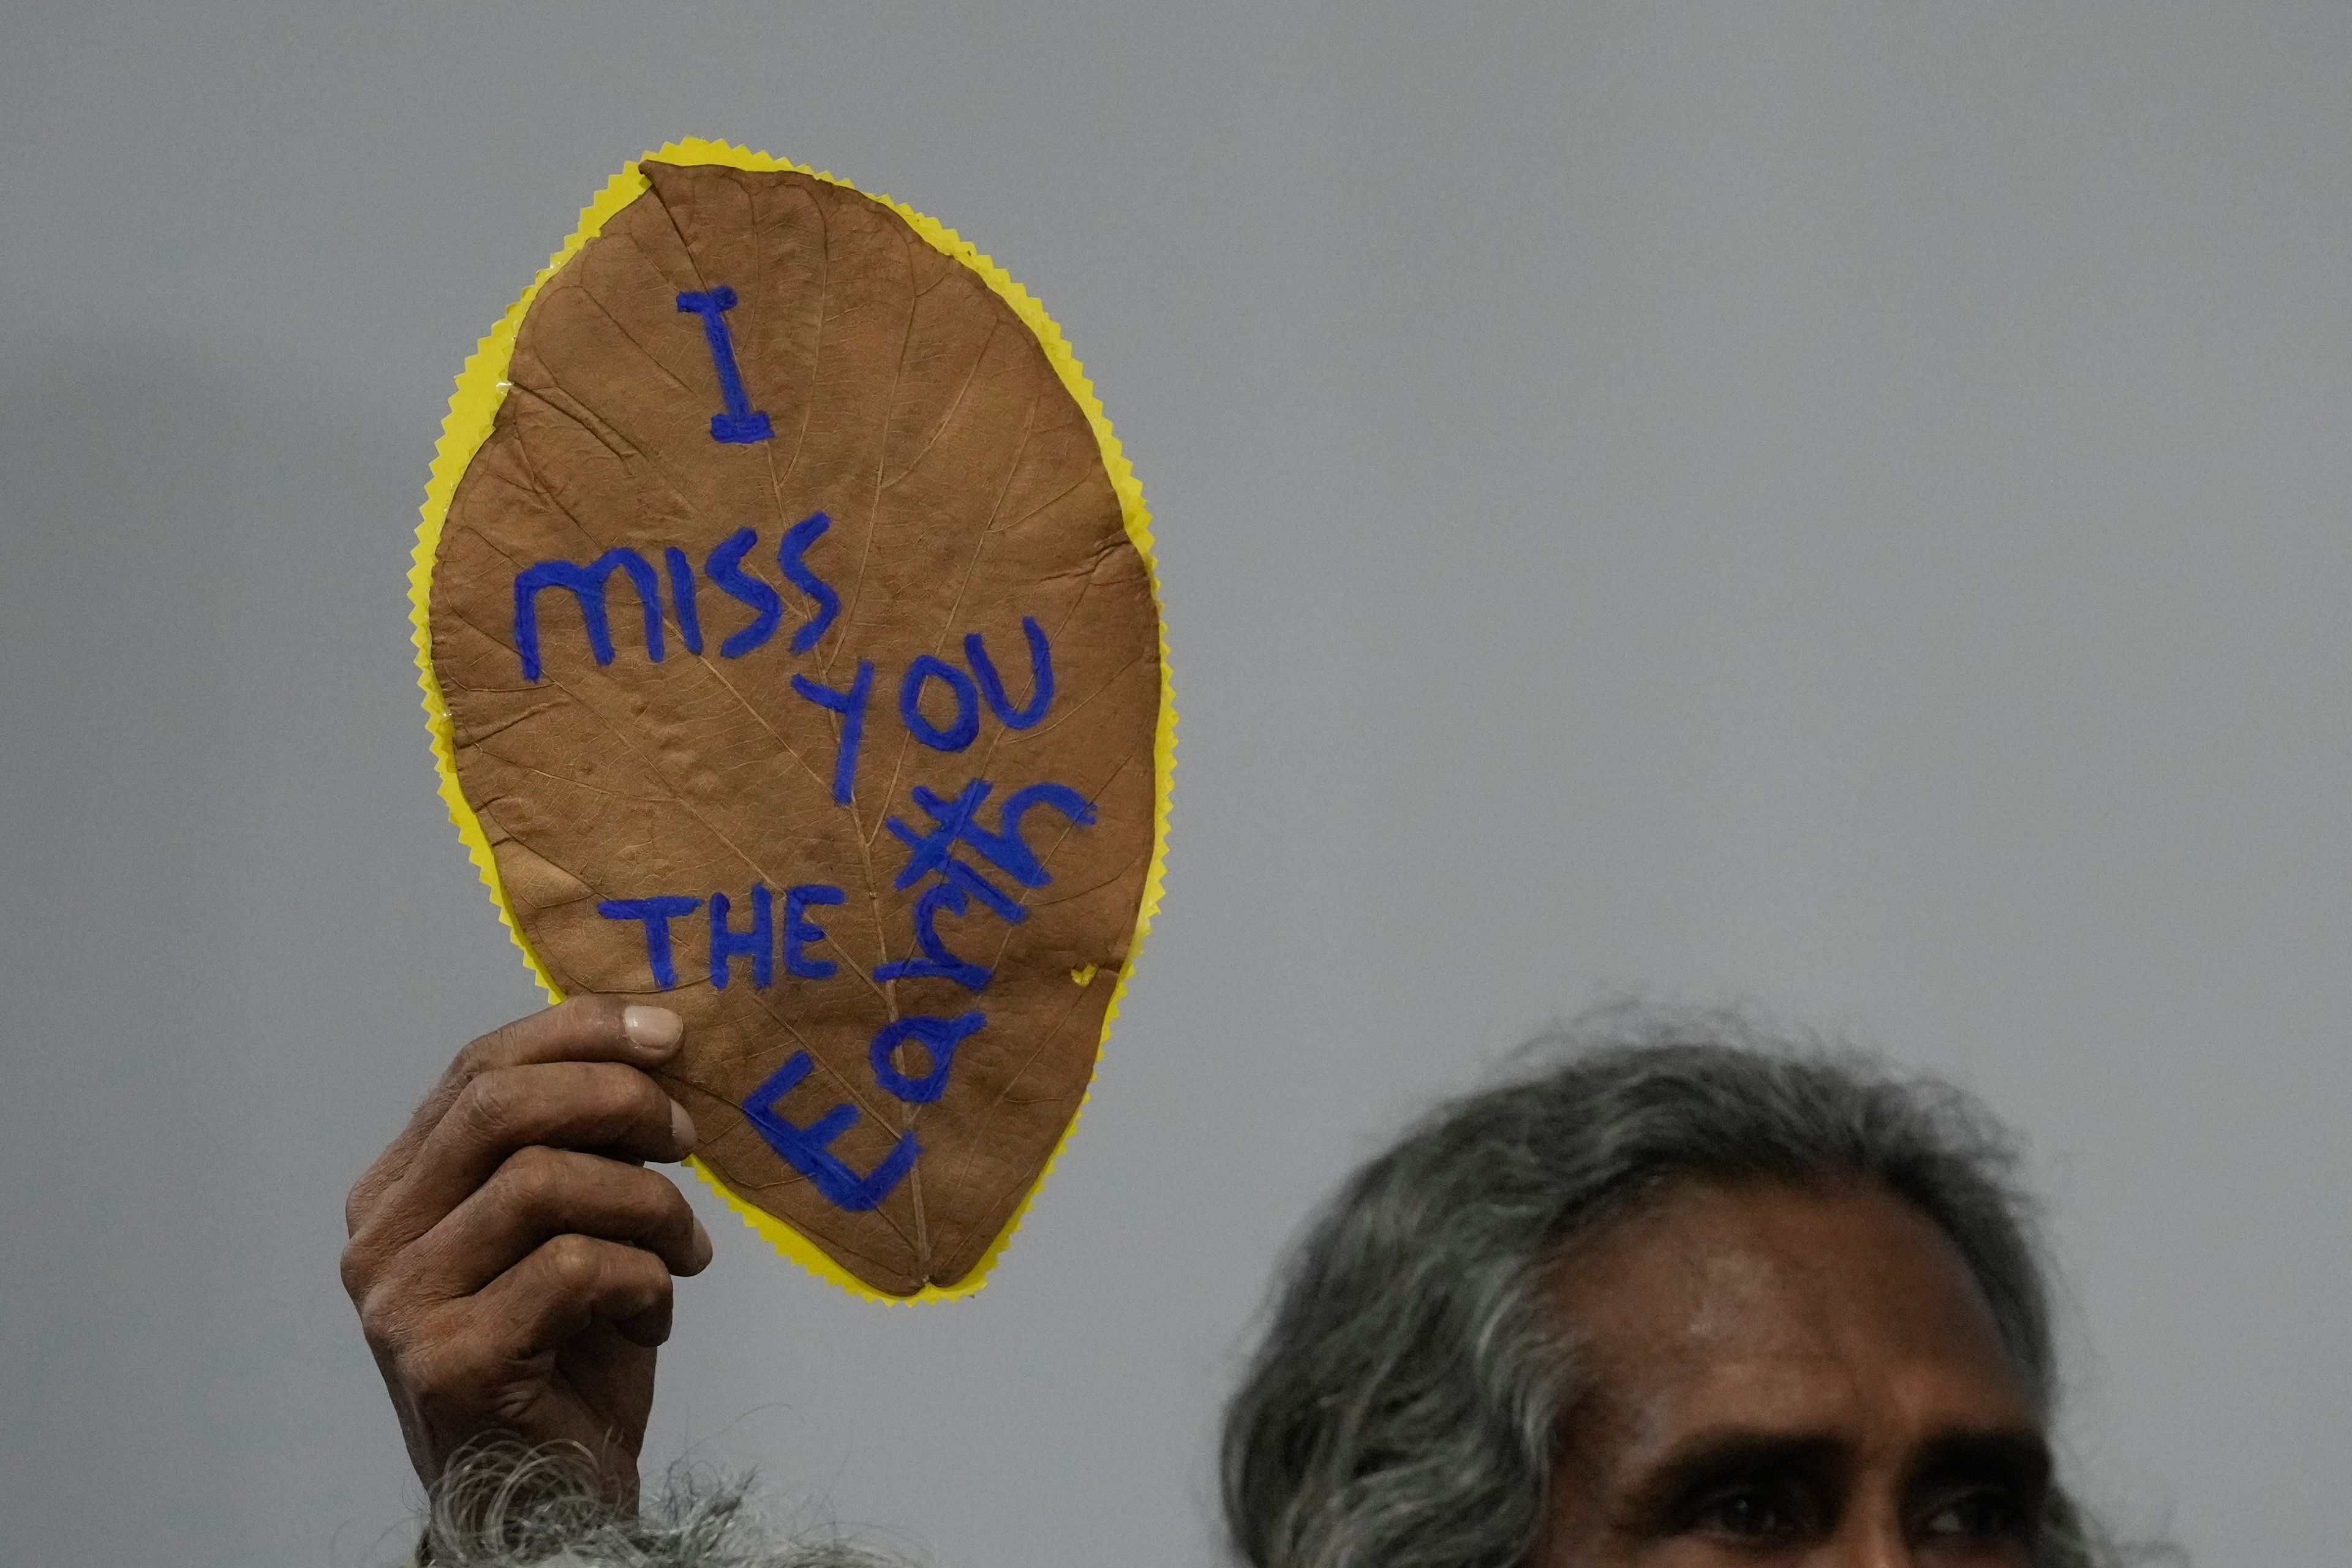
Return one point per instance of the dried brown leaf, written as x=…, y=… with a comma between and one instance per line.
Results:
x=965, y=490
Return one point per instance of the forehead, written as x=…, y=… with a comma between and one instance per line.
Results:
x=1832, y=1309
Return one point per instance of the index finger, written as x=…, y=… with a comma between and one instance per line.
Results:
x=583, y=1029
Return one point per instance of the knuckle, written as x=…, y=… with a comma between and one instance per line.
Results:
x=478, y=1054
x=650, y=1280
x=535, y=1174
x=489, y=1104
x=663, y=1199
x=443, y=1372
x=621, y=1099
x=643, y=1100
x=575, y=1262
x=674, y=1214
x=651, y=1208
x=383, y=1322
x=355, y=1205
x=357, y=1267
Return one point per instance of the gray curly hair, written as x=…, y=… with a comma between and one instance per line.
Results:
x=1401, y=1410
x=501, y=1504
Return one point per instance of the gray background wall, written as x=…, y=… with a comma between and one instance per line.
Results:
x=1840, y=505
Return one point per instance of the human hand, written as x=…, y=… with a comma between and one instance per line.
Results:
x=511, y=1256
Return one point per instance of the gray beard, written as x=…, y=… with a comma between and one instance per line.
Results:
x=507, y=1506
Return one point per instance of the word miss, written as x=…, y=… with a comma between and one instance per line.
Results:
x=589, y=585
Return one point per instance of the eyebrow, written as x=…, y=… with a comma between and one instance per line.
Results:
x=2016, y=1456
x=1716, y=1458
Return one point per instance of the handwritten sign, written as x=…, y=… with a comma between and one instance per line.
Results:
x=788, y=621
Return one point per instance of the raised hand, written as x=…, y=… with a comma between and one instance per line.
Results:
x=509, y=1254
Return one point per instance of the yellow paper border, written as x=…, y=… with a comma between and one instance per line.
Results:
x=481, y=387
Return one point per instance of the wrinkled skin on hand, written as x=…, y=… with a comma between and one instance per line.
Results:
x=511, y=1257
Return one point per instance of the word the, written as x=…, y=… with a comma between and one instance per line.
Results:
x=757, y=942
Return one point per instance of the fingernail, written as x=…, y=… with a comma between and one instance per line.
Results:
x=654, y=1029
x=681, y=1128
x=702, y=1248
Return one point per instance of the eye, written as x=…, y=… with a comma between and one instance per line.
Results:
x=1755, y=1514
x=1987, y=1513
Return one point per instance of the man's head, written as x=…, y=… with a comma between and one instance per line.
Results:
x=1697, y=1296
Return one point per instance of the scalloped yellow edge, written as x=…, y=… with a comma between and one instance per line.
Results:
x=481, y=387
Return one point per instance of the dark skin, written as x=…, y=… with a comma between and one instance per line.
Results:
x=1806, y=1377
x=1772, y=1374
x=509, y=1254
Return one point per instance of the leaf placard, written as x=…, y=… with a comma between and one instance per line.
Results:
x=789, y=626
